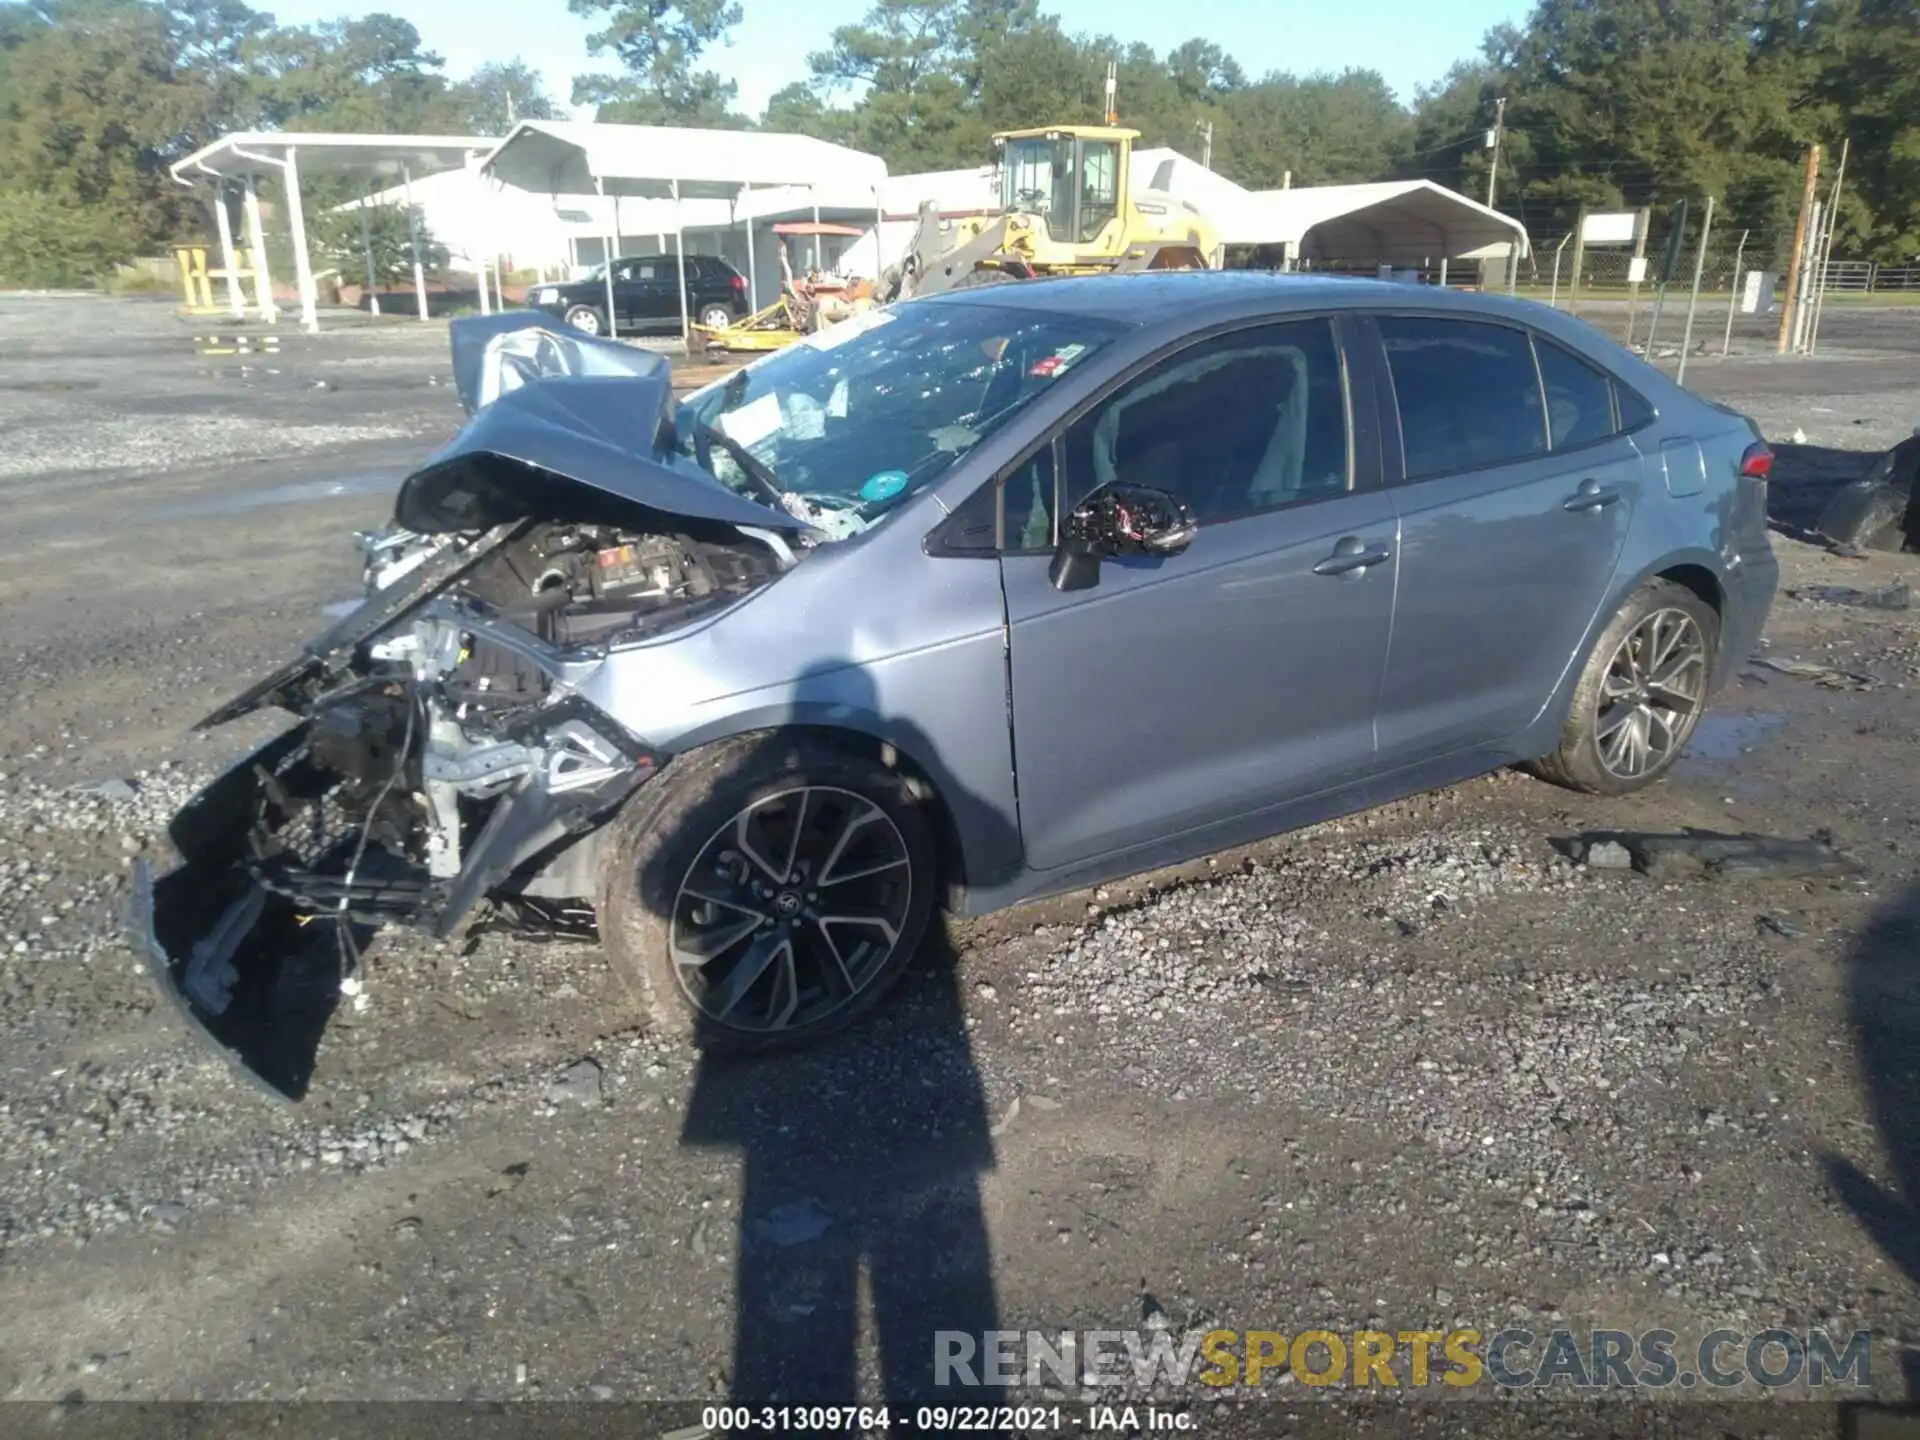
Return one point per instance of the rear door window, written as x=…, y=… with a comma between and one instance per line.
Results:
x=1467, y=392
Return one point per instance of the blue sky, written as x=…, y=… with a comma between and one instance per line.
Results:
x=1408, y=41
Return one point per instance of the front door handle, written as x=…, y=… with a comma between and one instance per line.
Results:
x=1352, y=556
x=1591, y=497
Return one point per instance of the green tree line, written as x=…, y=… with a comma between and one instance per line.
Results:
x=1609, y=103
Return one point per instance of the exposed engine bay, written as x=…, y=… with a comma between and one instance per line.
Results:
x=584, y=584
x=443, y=755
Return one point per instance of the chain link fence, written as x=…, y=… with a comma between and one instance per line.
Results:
x=1742, y=287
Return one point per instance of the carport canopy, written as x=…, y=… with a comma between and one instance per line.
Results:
x=1397, y=222
x=246, y=155
x=561, y=158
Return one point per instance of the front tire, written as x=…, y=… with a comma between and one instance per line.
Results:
x=586, y=319
x=1640, y=696
x=766, y=893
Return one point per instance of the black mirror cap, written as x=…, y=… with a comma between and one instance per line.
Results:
x=1075, y=566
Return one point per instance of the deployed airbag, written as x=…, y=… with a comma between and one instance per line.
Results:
x=493, y=354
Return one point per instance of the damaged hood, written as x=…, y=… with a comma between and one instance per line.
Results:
x=575, y=406
x=569, y=413
x=603, y=432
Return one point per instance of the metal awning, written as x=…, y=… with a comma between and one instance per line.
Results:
x=656, y=162
x=560, y=158
x=376, y=157
x=1395, y=222
x=246, y=155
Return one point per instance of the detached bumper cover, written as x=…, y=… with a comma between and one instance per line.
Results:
x=250, y=936
x=229, y=956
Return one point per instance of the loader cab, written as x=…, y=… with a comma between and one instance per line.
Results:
x=1074, y=178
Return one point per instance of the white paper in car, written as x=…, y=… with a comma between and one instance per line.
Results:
x=752, y=422
x=805, y=419
x=842, y=331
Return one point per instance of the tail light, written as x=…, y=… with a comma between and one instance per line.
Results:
x=739, y=283
x=1757, y=462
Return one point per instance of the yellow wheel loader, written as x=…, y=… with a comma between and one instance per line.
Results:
x=1067, y=207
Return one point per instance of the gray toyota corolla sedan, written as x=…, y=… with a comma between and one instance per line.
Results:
x=961, y=602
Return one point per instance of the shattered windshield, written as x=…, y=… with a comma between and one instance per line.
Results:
x=844, y=426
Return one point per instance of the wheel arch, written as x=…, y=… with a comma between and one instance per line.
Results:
x=1698, y=570
x=891, y=744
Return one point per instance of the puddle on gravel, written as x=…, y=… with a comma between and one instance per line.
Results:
x=1716, y=753
x=372, y=483
x=1722, y=738
x=47, y=387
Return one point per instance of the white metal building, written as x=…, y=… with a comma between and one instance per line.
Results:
x=556, y=196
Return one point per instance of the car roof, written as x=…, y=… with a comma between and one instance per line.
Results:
x=1186, y=298
x=1180, y=302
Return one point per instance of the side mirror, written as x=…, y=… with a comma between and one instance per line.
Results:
x=1118, y=520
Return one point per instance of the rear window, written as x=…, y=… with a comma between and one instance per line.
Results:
x=1634, y=410
x=1579, y=397
x=1467, y=393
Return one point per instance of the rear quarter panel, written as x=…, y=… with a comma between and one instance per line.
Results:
x=1716, y=525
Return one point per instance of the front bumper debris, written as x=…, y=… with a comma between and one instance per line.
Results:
x=280, y=890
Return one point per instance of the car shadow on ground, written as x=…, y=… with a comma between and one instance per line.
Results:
x=861, y=1220
x=1883, y=1003
x=861, y=1162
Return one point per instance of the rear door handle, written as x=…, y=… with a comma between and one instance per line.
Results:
x=1591, y=497
x=1351, y=556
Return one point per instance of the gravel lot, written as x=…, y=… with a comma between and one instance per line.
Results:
x=1415, y=1069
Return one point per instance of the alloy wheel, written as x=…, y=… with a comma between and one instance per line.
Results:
x=585, y=321
x=791, y=910
x=1651, y=698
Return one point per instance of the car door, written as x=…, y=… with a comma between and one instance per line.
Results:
x=1515, y=488
x=663, y=290
x=1179, y=691
x=630, y=281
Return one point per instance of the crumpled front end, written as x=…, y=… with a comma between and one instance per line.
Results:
x=444, y=764
x=400, y=798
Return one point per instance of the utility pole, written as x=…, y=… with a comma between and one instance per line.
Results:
x=1113, y=84
x=1493, y=144
x=1206, y=143
x=1826, y=250
x=1799, y=244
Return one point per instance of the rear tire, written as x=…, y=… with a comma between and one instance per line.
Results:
x=715, y=317
x=770, y=936
x=586, y=319
x=1640, y=696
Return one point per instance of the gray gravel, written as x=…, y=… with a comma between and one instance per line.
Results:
x=1409, y=1068
x=186, y=440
